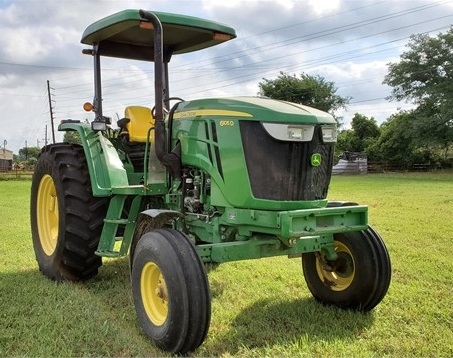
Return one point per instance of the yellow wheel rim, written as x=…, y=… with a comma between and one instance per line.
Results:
x=154, y=293
x=338, y=274
x=47, y=214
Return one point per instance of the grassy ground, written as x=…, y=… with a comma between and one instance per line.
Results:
x=260, y=307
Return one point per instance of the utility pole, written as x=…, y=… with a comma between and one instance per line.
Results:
x=26, y=150
x=51, y=113
x=45, y=136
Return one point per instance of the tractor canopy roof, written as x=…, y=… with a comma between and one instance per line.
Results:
x=127, y=35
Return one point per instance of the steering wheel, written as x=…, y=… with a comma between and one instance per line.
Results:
x=153, y=110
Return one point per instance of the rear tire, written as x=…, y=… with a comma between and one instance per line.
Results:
x=358, y=279
x=66, y=220
x=171, y=291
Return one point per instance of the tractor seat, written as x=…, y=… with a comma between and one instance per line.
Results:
x=140, y=121
x=134, y=128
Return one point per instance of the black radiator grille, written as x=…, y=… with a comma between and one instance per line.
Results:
x=281, y=170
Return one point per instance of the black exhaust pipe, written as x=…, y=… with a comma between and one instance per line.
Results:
x=170, y=160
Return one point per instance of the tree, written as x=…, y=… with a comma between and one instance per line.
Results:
x=395, y=144
x=72, y=137
x=313, y=91
x=424, y=76
x=434, y=128
x=363, y=132
x=31, y=162
x=26, y=153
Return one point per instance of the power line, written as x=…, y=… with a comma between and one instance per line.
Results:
x=269, y=64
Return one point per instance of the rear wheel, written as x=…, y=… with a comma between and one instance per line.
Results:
x=358, y=279
x=66, y=220
x=171, y=291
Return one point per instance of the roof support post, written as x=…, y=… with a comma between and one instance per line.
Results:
x=97, y=83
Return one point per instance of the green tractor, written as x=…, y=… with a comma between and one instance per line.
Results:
x=184, y=183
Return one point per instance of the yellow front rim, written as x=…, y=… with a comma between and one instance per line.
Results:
x=154, y=293
x=339, y=274
x=47, y=214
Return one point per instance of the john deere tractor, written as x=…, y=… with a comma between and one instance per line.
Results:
x=182, y=183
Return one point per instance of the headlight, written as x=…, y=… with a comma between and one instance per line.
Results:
x=302, y=133
x=329, y=134
x=290, y=132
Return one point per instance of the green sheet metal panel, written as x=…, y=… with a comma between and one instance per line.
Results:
x=194, y=125
x=261, y=109
x=126, y=30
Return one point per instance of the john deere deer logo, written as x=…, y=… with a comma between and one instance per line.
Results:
x=316, y=159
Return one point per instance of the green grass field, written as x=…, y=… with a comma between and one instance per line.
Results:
x=260, y=307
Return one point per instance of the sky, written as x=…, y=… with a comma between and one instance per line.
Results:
x=348, y=42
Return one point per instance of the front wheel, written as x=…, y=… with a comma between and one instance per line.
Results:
x=358, y=279
x=171, y=291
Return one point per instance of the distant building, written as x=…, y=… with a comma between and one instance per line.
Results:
x=351, y=163
x=6, y=159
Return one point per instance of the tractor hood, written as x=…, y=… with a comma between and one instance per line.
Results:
x=261, y=109
x=260, y=153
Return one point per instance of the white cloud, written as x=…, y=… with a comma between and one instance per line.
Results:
x=322, y=7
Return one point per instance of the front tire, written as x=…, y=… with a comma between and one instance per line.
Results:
x=66, y=220
x=171, y=291
x=358, y=279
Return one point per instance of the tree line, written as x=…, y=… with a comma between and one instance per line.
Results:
x=423, y=76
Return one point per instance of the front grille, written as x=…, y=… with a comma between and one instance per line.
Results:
x=281, y=170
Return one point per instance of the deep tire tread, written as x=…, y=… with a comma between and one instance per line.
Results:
x=188, y=322
x=383, y=271
x=199, y=293
x=81, y=214
x=373, y=273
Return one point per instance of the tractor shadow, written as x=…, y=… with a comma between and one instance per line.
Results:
x=270, y=322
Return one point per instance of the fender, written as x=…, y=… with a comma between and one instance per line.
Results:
x=105, y=166
x=149, y=220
